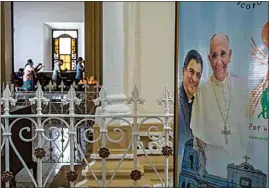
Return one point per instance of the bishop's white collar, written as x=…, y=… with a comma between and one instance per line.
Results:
x=219, y=83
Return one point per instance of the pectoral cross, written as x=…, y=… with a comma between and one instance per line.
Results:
x=246, y=158
x=226, y=132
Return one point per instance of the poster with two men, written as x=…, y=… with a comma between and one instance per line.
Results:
x=222, y=138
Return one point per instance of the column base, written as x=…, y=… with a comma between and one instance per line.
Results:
x=116, y=107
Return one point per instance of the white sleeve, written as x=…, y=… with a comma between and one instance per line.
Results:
x=197, y=123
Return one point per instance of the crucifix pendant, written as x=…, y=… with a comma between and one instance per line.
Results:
x=226, y=132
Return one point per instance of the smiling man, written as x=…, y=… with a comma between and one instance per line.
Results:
x=192, y=70
x=218, y=116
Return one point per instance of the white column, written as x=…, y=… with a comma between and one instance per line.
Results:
x=113, y=56
x=133, y=47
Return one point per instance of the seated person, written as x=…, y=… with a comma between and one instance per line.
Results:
x=18, y=78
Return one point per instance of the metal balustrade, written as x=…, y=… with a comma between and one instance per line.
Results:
x=75, y=129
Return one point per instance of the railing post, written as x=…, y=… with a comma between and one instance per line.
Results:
x=72, y=99
x=38, y=99
x=166, y=99
x=103, y=129
x=62, y=86
x=5, y=100
x=135, y=99
x=50, y=87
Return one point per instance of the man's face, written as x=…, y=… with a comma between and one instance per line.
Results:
x=191, y=77
x=220, y=56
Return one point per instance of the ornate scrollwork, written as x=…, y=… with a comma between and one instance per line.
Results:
x=25, y=128
x=58, y=131
x=91, y=120
x=154, y=137
x=167, y=151
x=104, y=152
x=72, y=176
x=91, y=131
x=3, y=141
x=148, y=118
x=116, y=129
x=39, y=153
x=6, y=176
x=136, y=175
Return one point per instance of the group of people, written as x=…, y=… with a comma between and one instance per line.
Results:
x=28, y=74
x=80, y=71
x=213, y=114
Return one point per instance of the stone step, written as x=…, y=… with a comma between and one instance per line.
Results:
x=118, y=183
x=111, y=165
x=158, y=162
x=147, y=179
x=158, y=167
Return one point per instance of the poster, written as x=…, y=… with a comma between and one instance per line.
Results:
x=222, y=94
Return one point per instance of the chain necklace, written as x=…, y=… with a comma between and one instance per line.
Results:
x=222, y=115
x=225, y=119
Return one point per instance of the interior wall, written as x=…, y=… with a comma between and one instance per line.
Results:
x=47, y=39
x=132, y=47
x=29, y=19
x=153, y=59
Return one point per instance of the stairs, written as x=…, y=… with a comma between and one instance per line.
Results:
x=122, y=177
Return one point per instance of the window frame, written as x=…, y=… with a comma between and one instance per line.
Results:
x=53, y=45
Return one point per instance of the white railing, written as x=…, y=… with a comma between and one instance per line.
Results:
x=160, y=141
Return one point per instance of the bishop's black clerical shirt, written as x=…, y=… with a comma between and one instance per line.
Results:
x=184, y=118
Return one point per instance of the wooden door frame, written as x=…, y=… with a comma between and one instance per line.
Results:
x=94, y=39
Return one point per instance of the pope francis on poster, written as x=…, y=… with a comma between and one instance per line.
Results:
x=219, y=120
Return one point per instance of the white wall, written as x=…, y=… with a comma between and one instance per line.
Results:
x=29, y=19
x=157, y=32
x=149, y=62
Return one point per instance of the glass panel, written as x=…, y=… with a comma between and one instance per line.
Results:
x=73, y=46
x=74, y=53
x=65, y=45
x=74, y=64
x=66, y=62
x=65, y=66
x=59, y=33
x=56, y=46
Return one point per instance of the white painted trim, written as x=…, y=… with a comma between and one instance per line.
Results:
x=112, y=156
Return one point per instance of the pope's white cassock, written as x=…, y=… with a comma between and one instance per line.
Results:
x=220, y=106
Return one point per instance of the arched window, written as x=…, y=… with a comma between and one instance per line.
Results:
x=64, y=46
x=183, y=184
x=191, y=161
x=188, y=185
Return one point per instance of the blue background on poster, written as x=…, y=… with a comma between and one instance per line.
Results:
x=227, y=17
x=200, y=20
